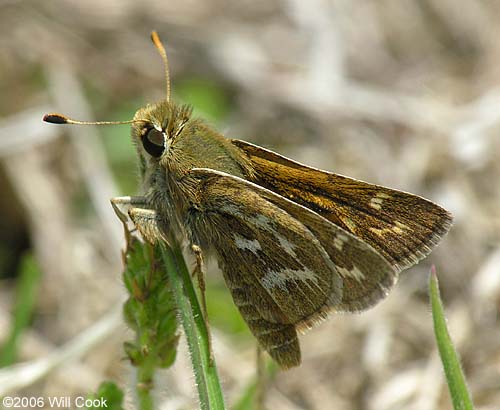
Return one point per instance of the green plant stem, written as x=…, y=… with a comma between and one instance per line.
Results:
x=457, y=385
x=204, y=368
x=145, y=373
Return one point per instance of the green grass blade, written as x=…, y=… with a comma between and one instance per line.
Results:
x=459, y=392
x=26, y=291
x=205, y=371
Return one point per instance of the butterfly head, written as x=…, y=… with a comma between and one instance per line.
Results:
x=156, y=126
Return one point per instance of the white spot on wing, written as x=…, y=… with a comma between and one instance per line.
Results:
x=354, y=273
x=273, y=279
x=285, y=244
x=376, y=203
x=339, y=240
x=401, y=225
x=348, y=222
x=380, y=232
x=378, y=199
x=397, y=228
x=247, y=244
x=261, y=221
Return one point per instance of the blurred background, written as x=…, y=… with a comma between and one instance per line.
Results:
x=400, y=93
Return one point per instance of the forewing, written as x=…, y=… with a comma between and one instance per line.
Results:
x=402, y=227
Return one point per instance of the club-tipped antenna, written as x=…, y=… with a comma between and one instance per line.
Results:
x=55, y=118
x=161, y=49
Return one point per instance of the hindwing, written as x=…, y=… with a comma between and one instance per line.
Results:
x=286, y=266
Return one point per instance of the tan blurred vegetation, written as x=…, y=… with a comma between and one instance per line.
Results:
x=400, y=93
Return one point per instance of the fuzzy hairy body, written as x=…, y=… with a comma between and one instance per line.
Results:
x=294, y=243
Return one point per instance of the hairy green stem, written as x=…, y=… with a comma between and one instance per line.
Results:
x=204, y=368
x=151, y=312
x=145, y=374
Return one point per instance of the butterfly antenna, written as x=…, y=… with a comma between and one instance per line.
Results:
x=62, y=119
x=161, y=49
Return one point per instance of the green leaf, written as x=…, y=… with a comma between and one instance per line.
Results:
x=108, y=396
x=459, y=392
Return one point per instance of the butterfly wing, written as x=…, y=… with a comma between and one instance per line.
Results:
x=286, y=266
x=402, y=227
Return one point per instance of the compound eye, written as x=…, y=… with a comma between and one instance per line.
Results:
x=154, y=142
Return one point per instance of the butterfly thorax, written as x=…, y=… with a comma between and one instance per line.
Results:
x=170, y=143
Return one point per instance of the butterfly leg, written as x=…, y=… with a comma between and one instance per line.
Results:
x=137, y=201
x=199, y=272
x=126, y=201
x=145, y=220
x=148, y=224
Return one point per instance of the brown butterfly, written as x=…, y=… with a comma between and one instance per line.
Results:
x=294, y=243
